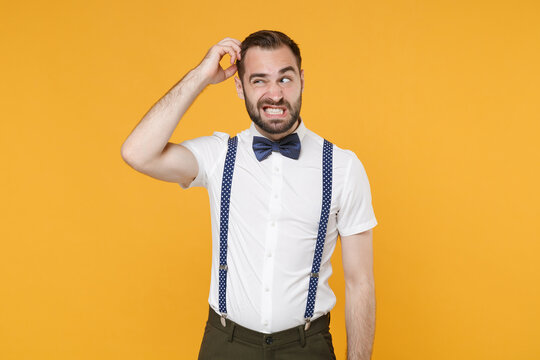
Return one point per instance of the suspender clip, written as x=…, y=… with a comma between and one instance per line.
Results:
x=223, y=317
x=223, y=267
x=308, y=324
x=314, y=275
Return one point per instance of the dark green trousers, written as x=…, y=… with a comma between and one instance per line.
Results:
x=237, y=342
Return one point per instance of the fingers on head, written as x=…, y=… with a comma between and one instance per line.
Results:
x=234, y=52
x=231, y=51
x=230, y=71
x=233, y=43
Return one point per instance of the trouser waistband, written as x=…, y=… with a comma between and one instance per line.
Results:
x=297, y=333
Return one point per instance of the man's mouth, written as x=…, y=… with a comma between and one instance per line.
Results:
x=274, y=110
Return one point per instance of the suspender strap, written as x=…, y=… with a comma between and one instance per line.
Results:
x=321, y=236
x=228, y=170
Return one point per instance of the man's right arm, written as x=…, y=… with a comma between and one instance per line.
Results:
x=147, y=149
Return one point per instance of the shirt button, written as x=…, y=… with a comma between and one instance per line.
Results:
x=269, y=254
x=276, y=196
x=267, y=289
x=276, y=169
x=265, y=323
x=273, y=224
x=269, y=340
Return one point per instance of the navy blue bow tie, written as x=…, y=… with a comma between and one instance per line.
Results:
x=289, y=146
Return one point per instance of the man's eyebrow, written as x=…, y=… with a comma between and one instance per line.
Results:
x=285, y=69
x=263, y=75
x=257, y=75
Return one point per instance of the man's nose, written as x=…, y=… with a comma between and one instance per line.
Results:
x=275, y=92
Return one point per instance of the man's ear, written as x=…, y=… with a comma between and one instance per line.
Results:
x=239, y=88
x=302, y=79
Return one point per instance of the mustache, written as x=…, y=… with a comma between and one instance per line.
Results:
x=270, y=102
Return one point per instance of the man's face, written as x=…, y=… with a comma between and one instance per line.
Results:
x=272, y=89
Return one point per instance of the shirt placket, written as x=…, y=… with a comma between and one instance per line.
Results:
x=271, y=240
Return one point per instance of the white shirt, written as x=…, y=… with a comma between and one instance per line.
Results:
x=275, y=208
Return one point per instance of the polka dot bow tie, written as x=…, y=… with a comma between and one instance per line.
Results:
x=289, y=146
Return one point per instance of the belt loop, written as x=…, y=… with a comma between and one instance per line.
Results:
x=302, y=335
x=231, y=333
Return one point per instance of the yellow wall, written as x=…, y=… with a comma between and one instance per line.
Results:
x=439, y=99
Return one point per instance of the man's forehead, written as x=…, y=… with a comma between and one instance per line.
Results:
x=261, y=60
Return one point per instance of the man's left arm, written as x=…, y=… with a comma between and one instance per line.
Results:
x=357, y=255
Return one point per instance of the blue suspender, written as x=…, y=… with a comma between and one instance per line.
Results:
x=228, y=171
x=321, y=236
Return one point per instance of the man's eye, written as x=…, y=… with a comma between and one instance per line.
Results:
x=285, y=80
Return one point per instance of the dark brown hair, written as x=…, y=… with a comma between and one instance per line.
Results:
x=267, y=39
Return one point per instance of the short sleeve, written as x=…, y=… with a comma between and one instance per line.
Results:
x=355, y=214
x=207, y=150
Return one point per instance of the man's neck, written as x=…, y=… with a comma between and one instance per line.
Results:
x=277, y=137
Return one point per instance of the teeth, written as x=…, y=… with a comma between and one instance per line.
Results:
x=274, y=111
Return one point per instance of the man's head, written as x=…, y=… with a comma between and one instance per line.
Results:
x=271, y=81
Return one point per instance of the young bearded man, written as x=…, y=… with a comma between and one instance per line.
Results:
x=279, y=196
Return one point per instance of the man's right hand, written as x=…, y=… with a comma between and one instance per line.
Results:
x=210, y=69
x=147, y=149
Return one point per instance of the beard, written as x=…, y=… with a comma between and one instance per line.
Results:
x=270, y=126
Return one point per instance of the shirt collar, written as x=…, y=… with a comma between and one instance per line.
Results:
x=300, y=130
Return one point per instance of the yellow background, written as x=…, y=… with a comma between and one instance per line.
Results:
x=439, y=99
